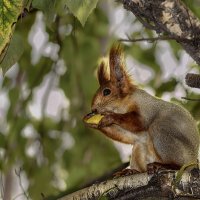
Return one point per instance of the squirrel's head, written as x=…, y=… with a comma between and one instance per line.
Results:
x=115, y=84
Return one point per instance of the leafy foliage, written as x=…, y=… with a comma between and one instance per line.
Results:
x=9, y=12
x=54, y=52
x=81, y=8
x=13, y=53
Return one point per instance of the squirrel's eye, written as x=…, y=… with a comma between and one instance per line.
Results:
x=106, y=92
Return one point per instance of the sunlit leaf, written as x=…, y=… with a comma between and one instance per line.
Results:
x=81, y=8
x=9, y=12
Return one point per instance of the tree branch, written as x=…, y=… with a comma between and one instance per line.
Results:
x=140, y=186
x=171, y=18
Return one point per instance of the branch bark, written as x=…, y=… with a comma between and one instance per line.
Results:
x=169, y=17
x=193, y=80
x=162, y=185
x=172, y=19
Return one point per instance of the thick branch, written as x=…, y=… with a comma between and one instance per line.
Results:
x=169, y=17
x=142, y=186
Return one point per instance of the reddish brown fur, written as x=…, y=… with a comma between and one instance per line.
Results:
x=118, y=74
x=129, y=121
x=120, y=84
x=116, y=134
x=115, y=125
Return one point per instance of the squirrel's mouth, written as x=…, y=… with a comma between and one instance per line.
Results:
x=89, y=115
x=92, y=118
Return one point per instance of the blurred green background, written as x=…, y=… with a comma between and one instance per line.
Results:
x=45, y=149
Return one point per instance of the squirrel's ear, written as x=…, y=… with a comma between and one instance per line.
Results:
x=118, y=74
x=102, y=74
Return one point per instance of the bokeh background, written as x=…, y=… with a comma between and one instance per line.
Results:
x=45, y=149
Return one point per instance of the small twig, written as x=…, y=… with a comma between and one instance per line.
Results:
x=18, y=173
x=154, y=39
x=190, y=99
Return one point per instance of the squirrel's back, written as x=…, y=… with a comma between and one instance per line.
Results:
x=172, y=128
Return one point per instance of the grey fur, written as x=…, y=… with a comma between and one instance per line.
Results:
x=172, y=128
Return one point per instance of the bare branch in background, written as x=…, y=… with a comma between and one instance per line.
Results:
x=193, y=80
x=18, y=173
x=190, y=99
x=152, y=39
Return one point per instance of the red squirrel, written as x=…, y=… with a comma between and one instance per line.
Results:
x=160, y=132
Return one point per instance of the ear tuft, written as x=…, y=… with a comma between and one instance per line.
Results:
x=116, y=62
x=116, y=57
x=118, y=73
x=102, y=73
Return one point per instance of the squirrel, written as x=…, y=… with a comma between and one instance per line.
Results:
x=160, y=131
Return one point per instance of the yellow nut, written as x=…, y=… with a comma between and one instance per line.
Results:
x=95, y=119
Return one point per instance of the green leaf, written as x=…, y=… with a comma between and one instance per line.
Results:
x=2, y=140
x=14, y=52
x=166, y=87
x=48, y=8
x=27, y=4
x=44, y=5
x=81, y=8
x=9, y=12
x=182, y=169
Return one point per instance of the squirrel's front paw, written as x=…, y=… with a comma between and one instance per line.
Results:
x=107, y=120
